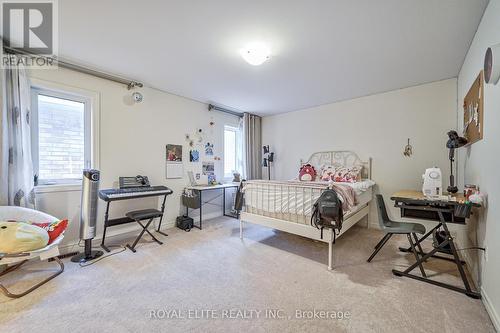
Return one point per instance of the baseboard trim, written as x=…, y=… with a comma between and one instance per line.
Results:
x=130, y=230
x=495, y=319
x=112, y=234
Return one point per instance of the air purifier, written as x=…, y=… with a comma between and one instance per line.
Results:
x=88, y=215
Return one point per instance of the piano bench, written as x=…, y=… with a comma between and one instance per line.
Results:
x=144, y=214
x=138, y=216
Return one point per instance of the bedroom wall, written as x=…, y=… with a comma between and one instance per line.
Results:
x=480, y=162
x=132, y=141
x=375, y=126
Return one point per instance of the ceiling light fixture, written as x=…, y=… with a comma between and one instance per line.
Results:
x=255, y=54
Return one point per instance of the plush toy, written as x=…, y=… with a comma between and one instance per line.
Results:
x=17, y=237
x=307, y=173
x=54, y=229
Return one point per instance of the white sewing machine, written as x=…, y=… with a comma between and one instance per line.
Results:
x=433, y=183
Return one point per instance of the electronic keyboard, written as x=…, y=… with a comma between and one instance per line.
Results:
x=133, y=193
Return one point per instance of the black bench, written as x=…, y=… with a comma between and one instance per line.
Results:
x=141, y=215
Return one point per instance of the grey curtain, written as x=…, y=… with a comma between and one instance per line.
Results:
x=252, y=144
x=16, y=166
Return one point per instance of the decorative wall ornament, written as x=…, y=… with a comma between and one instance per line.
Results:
x=408, y=150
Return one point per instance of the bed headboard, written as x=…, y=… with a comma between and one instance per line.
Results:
x=343, y=157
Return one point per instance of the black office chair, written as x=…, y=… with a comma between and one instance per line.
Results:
x=402, y=228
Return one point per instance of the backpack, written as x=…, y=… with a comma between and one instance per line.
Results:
x=184, y=222
x=327, y=212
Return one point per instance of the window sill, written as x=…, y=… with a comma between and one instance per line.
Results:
x=58, y=188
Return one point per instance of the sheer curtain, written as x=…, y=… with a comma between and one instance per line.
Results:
x=252, y=145
x=16, y=166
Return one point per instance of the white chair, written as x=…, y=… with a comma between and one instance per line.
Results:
x=14, y=261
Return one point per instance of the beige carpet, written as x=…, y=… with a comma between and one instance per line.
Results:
x=213, y=270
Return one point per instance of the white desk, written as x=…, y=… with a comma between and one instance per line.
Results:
x=202, y=188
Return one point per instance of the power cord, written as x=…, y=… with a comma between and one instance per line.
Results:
x=472, y=248
x=123, y=248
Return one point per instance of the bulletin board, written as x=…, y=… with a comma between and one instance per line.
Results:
x=474, y=111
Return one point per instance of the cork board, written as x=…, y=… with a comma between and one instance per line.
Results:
x=473, y=111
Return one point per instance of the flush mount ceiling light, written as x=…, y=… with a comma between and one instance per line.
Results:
x=255, y=54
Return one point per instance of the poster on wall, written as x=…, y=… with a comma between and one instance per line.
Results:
x=174, y=153
x=474, y=111
x=208, y=169
x=209, y=149
x=194, y=155
x=173, y=156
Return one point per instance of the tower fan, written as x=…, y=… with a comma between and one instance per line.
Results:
x=88, y=215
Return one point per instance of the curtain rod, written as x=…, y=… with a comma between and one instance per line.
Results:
x=220, y=109
x=82, y=69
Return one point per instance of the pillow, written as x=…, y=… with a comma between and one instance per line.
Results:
x=347, y=175
x=54, y=229
x=327, y=172
x=307, y=173
x=339, y=173
x=17, y=237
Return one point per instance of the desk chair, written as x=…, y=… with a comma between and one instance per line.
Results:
x=402, y=228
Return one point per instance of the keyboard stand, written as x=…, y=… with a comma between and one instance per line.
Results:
x=123, y=220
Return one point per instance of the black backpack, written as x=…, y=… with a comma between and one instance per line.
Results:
x=184, y=222
x=327, y=212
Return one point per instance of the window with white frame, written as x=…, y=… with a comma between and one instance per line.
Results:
x=232, y=150
x=61, y=136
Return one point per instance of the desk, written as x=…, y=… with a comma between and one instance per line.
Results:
x=414, y=204
x=201, y=188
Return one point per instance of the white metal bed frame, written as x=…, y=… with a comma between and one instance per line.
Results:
x=344, y=158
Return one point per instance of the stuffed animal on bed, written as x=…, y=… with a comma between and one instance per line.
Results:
x=307, y=173
x=17, y=237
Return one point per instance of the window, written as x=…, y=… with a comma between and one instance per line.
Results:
x=61, y=136
x=232, y=151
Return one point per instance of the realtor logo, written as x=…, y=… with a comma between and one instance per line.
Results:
x=29, y=27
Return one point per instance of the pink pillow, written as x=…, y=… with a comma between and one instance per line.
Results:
x=347, y=175
x=327, y=172
x=341, y=174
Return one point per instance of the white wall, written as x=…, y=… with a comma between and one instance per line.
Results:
x=480, y=163
x=132, y=141
x=374, y=126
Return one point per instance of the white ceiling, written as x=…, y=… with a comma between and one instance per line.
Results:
x=322, y=51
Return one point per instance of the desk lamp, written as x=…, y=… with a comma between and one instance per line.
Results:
x=454, y=142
